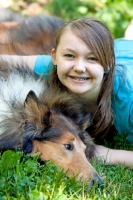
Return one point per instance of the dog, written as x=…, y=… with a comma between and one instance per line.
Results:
x=27, y=35
x=7, y=15
x=36, y=119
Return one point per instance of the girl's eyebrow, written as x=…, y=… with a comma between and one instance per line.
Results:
x=68, y=49
x=74, y=51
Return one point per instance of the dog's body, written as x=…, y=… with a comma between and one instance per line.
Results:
x=27, y=36
x=43, y=121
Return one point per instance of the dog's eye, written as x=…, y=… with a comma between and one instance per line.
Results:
x=69, y=146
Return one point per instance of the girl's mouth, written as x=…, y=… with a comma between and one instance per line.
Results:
x=79, y=78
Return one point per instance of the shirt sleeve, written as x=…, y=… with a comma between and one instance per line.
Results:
x=43, y=65
x=122, y=97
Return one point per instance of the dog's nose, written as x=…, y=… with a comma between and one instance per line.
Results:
x=96, y=180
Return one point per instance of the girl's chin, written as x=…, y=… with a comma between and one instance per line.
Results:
x=78, y=93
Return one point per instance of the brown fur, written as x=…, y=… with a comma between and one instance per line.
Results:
x=31, y=36
x=72, y=160
x=51, y=123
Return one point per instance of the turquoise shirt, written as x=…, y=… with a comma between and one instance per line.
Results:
x=122, y=98
x=43, y=64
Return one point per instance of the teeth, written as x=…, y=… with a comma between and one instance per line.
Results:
x=80, y=79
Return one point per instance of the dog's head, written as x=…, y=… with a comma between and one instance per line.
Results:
x=53, y=126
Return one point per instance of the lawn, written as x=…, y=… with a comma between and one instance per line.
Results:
x=24, y=178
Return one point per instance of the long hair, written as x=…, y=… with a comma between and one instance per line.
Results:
x=99, y=39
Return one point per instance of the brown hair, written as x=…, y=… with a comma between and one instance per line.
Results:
x=100, y=41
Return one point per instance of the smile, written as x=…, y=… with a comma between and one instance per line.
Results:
x=79, y=78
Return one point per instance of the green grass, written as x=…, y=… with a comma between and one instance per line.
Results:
x=24, y=178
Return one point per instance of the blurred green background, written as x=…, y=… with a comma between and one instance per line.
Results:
x=115, y=14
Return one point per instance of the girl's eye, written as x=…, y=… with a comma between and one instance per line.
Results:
x=93, y=59
x=69, y=56
x=69, y=147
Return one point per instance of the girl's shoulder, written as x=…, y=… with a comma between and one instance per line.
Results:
x=123, y=78
x=122, y=46
x=123, y=52
x=122, y=98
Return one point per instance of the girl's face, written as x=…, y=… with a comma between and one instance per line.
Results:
x=77, y=67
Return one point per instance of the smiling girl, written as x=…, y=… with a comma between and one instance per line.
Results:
x=84, y=63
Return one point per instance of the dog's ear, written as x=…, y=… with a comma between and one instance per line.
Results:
x=84, y=122
x=36, y=111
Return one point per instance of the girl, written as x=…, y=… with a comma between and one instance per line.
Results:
x=84, y=63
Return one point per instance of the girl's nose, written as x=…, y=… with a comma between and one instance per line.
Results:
x=80, y=66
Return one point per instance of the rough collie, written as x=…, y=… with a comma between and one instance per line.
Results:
x=36, y=119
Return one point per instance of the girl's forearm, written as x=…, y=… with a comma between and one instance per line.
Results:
x=122, y=157
x=114, y=157
x=17, y=59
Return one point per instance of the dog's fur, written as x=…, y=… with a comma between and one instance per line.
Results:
x=28, y=36
x=36, y=119
x=7, y=14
